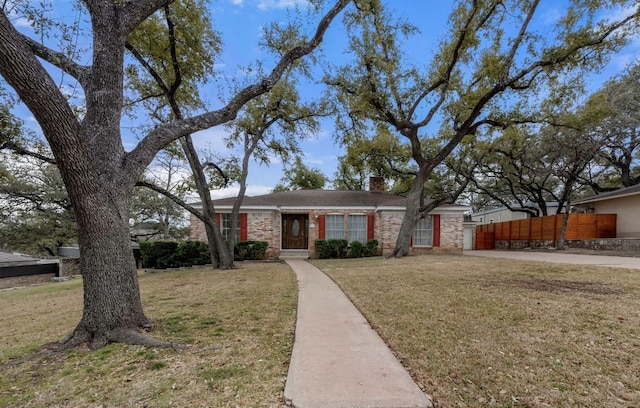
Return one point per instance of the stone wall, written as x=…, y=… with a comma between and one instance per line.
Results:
x=608, y=244
x=69, y=267
x=629, y=245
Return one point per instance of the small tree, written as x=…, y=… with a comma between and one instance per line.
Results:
x=301, y=177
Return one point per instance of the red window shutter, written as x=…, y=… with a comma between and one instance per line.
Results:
x=243, y=227
x=218, y=220
x=371, y=219
x=436, y=230
x=321, y=226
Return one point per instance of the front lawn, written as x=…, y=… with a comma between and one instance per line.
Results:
x=478, y=332
x=234, y=328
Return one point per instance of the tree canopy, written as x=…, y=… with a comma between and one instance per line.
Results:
x=98, y=172
x=488, y=71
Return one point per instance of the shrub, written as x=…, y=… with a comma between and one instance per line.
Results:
x=252, y=250
x=158, y=254
x=331, y=248
x=371, y=248
x=322, y=249
x=171, y=254
x=193, y=253
x=357, y=250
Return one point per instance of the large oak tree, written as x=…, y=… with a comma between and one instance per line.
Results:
x=490, y=66
x=99, y=174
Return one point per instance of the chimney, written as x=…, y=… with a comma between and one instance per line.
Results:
x=376, y=184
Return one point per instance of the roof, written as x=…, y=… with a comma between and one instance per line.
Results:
x=526, y=205
x=317, y=198
x=623, y=192
x=321, y=199
x=6, y=257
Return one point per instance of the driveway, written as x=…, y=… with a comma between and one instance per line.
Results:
x=560, y=257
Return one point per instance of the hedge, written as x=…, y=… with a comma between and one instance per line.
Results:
x=340, y=248
x=252, y=250
x=172, y=254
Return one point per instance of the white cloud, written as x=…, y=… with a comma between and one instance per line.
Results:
x=211, y=138
x=252, y=191
x=281, y=4
x=237, y=2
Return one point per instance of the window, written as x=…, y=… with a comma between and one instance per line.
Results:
x=358, y=228
x=423, y=233
x=225, y=226
x=335, y=226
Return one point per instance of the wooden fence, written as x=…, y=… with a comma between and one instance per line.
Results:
x=580, y=226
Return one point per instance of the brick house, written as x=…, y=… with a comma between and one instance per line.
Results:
x=292, y=221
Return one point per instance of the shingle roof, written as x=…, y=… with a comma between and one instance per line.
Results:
x=6, y=257
x=632, y=190
x=318, y=198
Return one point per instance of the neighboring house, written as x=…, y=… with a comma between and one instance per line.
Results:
x=501, y=214
x=14, y=258
x=624, y=202
x=294, y=220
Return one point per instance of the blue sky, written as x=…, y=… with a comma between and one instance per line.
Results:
x=240, y=23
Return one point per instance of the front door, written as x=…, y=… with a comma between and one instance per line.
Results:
x=294, y=231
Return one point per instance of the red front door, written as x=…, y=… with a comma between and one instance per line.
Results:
x=295, y=229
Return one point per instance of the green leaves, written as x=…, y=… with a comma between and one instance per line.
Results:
x=180, y=46
x=301, y=177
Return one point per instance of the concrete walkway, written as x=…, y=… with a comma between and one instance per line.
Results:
x=561, y=257
x=338, y=361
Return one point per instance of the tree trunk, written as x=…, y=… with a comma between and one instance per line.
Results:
x=213, y=246
x=112, y=306
x=221, y=256
x=403, y=243
x=560, y=245
x=250, y=145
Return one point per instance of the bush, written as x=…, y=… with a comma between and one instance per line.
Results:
x=252, y=250
x=171, y=254
x=193, y=253
x=338, y=248
x=322, y=249
x=158, y=254
x=357, y=250
x=371, y=248
x=331, y=248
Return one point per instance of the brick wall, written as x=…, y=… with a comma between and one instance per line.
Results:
x=196, y=229
x=387, y=227
x=451, y=232
x=266, y=226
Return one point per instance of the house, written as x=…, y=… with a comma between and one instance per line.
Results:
x=623, y=202
x=294, y=220
x=501, y=214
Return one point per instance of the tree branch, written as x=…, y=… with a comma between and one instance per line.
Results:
x=58, y=59
x=146, y=149
x=172, y=197
x=24, y=152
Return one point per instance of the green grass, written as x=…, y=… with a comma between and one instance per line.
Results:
x=478, y=332
x=473, y=332
x=235, y=329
